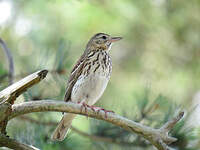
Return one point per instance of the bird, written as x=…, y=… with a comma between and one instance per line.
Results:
x=88, y=79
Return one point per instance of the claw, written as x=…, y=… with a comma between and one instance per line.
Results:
x=94, y=108
x=107, y=111
x=84, y=105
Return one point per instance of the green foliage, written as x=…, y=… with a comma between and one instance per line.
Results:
x=160, y=49
x=2, y=70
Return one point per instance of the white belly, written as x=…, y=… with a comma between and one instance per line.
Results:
x=89, y=89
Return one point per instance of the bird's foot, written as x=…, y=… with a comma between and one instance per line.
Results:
x=95, y=108
x=107, y=111
x=84, y=105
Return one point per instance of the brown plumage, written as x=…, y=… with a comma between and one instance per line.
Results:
x=88, y=78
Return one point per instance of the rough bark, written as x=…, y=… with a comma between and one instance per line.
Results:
x=158, y=137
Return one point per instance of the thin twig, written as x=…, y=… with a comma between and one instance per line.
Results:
x=10, y=60
x=157, y=137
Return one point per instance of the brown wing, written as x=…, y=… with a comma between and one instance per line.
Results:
x=76, y=71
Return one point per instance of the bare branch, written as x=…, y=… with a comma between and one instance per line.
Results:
x=157, y=137
x=12, y=92
x=9, y=95
x=10, y=60
x=13, y=144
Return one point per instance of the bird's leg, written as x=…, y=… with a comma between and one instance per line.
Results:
x=83, y=105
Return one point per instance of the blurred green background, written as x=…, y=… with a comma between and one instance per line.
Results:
x=155, y=67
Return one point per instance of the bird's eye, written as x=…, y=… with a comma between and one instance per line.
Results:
x=104, y=37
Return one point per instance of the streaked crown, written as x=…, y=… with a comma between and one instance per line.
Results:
x=101, y=41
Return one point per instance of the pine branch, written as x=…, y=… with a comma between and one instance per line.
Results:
x=158, y=137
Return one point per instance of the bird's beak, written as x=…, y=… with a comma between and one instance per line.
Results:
x=114, y=39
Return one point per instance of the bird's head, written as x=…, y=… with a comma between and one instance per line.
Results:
x=102, y=41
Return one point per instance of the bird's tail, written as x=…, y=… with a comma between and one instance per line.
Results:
x=63, y=126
